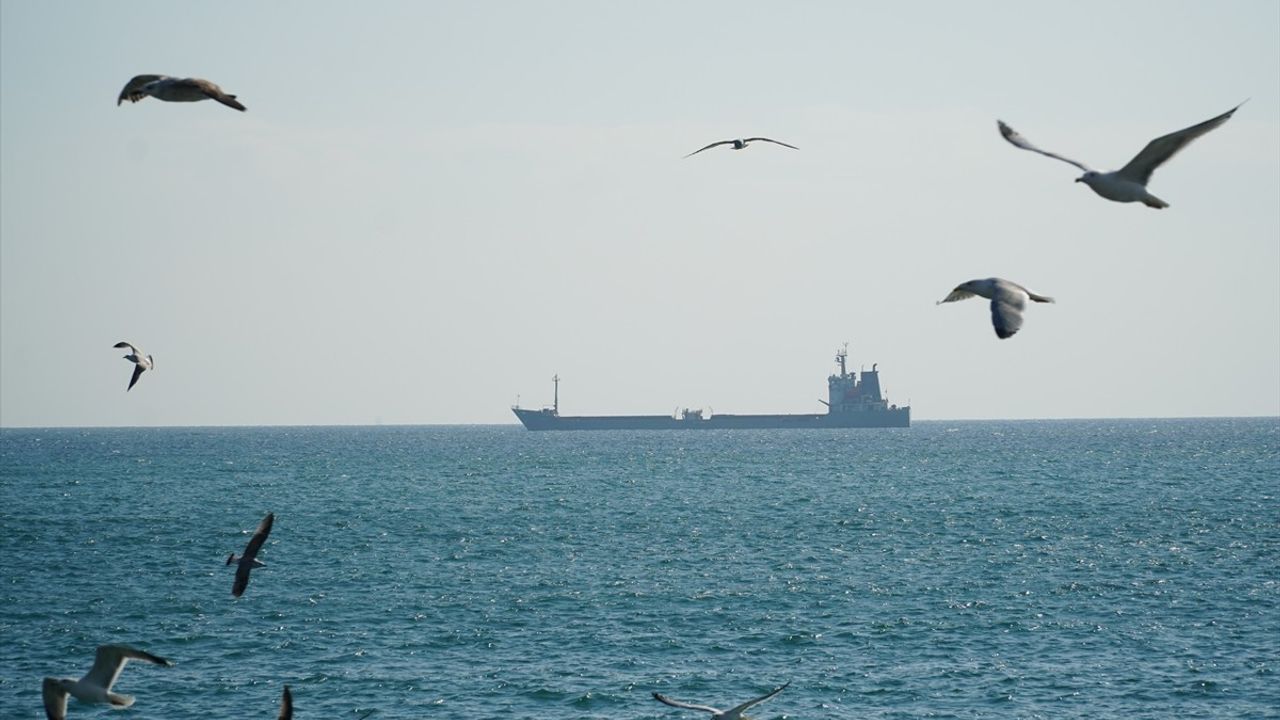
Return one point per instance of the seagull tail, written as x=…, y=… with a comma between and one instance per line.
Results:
x=119, y=701
x=1152, y=201
x=230, y=101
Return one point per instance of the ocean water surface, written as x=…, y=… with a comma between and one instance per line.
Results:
x=1056, y=569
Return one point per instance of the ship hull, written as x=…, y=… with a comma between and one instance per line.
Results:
x=543, y=420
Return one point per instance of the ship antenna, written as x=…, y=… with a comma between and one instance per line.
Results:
x=556, y=381
x=841, y=354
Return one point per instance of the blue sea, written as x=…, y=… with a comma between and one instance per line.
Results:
x=1031, y=569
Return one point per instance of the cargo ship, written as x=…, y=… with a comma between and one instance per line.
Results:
x=853, y=401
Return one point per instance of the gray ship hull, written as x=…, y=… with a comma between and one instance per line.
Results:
x=549, y=420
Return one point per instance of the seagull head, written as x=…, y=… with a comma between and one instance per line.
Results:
x=1088, y=177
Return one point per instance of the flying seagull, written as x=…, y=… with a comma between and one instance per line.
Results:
x=1129, y=183
x=95, y=687
x=731, y=714
x=741, y=144
x=286, y=705
x=1008, y=299
x=140, y=362
x=171, y=89
x=249, y=560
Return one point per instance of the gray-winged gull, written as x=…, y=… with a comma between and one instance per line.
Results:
x=741, y=144
x=716, y=714
x=95, y=687
x=171, y=89
x=141, y=363
x=249, y=560
x=1129, y=183
x=1008, y=300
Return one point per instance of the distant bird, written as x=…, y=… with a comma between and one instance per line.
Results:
x=95, y=687
x=141, y=362
x=171, y=89
x=249, y=560
x=1008, y=300
x=741, y=144
x=1129, y=183
x=731, y=714
x=286, y=705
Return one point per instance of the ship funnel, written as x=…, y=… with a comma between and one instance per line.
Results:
x=870, y=385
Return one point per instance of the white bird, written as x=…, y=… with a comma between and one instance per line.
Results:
x=716, y=714
x=1008, y=300
x=171, y=89
x=141, y=362
x=95, y=687
x=1129, y=183
x=249, y=560
x=286, y=705
x=741, y=144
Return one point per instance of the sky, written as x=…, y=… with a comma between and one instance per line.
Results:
x=431, y=208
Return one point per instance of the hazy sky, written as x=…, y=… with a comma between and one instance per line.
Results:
x=430, y=208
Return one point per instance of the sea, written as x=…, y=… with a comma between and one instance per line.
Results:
x=1021, y=569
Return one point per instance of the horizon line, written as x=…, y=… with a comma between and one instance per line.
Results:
x=518, y=425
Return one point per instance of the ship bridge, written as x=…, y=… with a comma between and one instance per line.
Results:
x=848, y=393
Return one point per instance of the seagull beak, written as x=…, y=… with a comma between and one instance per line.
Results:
x=1080, y=179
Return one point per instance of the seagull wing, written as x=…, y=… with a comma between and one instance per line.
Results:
x=133, y=90
x=955, y=295
x=259, y=536
x=106, y=668
x=55, y=700
x=722, y=142
x=1018, y=141
x=286, y=705
x=1161, y=149
x=1007, y=305
x=775, y=142
x=111, y=659
x=242, y=579
x=137, y=373
x=123, y=344
x=737, y=711
x=687, y=706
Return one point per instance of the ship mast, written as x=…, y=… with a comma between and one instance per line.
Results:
x=556, y=381
x=841, y=355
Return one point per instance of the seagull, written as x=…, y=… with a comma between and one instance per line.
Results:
x=286, y=705
x=731, y=714
x=741, y=144
x=95, y=687
x=249, y=560
x=141, y=363
x=1129, y=183
x=1008, y=299
x=163, y=87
